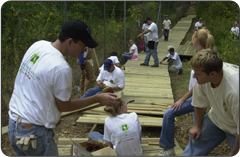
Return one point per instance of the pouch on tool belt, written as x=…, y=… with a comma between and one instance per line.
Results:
x=26, y=141
x=151, y=44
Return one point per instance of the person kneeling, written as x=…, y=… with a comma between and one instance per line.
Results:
x=111, y=79
x=177, y=67
x=122, y=129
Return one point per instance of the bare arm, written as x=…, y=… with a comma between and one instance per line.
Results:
x=235, y=147
x=195, y=131
x=145, y=32
x=74, y=104
x=130, y=53
x=99, y=82
x=118, y=65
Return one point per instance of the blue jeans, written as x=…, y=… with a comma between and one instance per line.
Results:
x=45, y=142
x=211, y=136
x=145, y=43
x=125, y=58
x=91, y=92
x=168, y=127
x=152, y=52
x=166, y=34
x=97, y=136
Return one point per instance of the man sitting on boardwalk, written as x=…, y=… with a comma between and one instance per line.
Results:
x=111, y=79
x=177, y=67
x=217, y=86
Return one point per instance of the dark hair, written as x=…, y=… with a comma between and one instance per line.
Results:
x=114, y=110
x=113, y=54
x=62, y=38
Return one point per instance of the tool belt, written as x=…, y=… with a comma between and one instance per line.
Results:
x=31, y=139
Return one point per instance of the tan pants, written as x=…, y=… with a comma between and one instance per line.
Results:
x=173, y=69
x=87, y=81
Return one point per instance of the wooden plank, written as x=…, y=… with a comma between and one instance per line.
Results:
x=94, y=126
x=146, y=109
x=4, y=130
x=146, y=100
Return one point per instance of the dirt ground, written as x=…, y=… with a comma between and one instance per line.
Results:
x=67, y=126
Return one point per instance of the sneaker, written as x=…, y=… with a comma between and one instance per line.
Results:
x=167, y=152
x=154, y=65
x=143, y=64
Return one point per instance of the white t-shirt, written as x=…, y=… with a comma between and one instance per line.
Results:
x=145, y=27
x=43, y=75
x=198, y=24
x=235, y=30
x=124, y=131
x=192, y=80
x=177, y=61
x=114, y=60
x=111, y=79
x=153, y=34
x=167, y=24
x=224, y=99
x=134, y=47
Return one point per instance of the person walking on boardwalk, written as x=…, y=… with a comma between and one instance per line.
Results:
x=144, y=37
x=42, y=91
x=217, y=86
x=201, y=40
x=87, y=79
x=166, y=28
x=152, y=43
x=177, y=67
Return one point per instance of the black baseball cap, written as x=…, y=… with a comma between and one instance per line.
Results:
x=171, y=50
x=107, y=64
x=148, y=18
x=77, y=29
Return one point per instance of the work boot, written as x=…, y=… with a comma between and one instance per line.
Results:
x=180, y=72
x=154, y=65
x=167, y=152
x=143, y=64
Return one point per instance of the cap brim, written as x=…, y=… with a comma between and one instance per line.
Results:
x=107, y=68
x=91, y=43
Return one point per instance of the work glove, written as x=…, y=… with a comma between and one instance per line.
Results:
x=107, y=89
x=102, y=86
x=82, y=66
x=26, y=141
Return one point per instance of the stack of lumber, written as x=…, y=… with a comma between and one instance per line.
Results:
x=149, y=146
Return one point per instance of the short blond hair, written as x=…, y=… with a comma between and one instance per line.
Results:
x=205, y=38
x=207, y=59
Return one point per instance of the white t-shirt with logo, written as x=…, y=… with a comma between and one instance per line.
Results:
x=198, y=24
x=111, y=79
x=134, y=47
x=224, y=99
x=177, y=61
x=167, y=24
x=123, y=132
x=153, y=34
x=43, y=75
x=114, y=60
x=144, y=28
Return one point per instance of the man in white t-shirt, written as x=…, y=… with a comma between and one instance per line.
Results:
x=216, y=85
x=166, y=28
x=114, y=58
x=198, y=25
x=177, y=64
x=152, y=43
x=235, y=29
x=144, y=37
x=42, y=91
x=111, y=79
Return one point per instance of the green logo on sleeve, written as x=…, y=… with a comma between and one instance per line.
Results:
x=124, y=127
x=34, y=57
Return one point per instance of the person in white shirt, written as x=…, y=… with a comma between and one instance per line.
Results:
x=166, y=28
x=177, y=64
x=114, y=58
x=42, y=91
x=152, y=43
x=133, y=52
x=111, y=79
x=201, y=40
x=235, y=29
x=198, y=25
x=122, y=129
x=144, y=37
x=217, y=86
